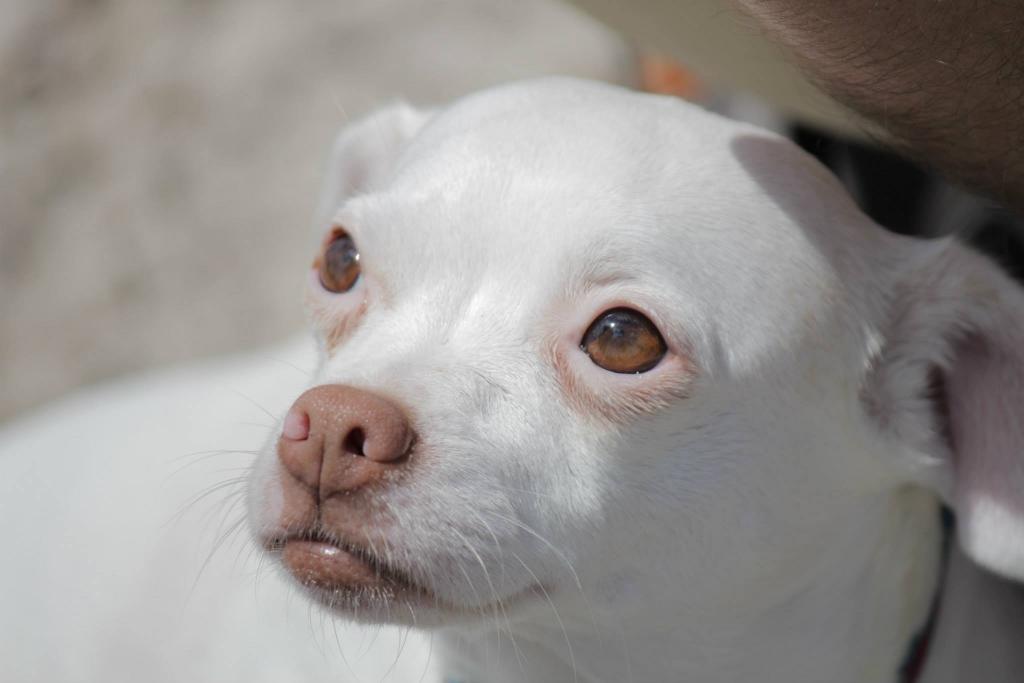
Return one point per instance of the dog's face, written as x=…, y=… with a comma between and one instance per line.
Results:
x=591, y=347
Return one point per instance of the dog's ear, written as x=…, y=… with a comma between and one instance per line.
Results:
x=948, y=385
x=365, y=152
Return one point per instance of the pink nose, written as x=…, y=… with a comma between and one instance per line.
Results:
x=337, y=439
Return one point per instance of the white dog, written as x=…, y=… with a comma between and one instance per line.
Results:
x=608, y=389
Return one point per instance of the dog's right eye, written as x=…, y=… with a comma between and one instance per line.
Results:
x=625, y=341
x=339, y=263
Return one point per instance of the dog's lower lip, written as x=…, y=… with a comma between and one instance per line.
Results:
x=327, y=566
x=338, y=573
x=324, y=565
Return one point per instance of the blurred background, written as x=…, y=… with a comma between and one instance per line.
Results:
x=160, y=162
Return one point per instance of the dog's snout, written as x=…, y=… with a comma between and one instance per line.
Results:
x=338, y=438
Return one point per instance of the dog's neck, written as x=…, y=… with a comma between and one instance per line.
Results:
x=858, y=609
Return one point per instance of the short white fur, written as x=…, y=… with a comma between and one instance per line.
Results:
x=762, y=506
x=780, y=521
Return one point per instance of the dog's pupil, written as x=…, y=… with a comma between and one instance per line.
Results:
x=625, y=341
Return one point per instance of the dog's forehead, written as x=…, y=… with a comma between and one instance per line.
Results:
x=568, y=143
x=527, y=190
x=541, y=161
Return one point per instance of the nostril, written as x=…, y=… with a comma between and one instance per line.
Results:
x=354, y=442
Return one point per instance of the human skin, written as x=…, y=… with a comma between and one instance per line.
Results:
x=945, y=79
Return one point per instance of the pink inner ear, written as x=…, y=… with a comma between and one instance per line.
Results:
x=986, y=413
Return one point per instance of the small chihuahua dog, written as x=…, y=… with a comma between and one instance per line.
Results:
x=637, y=393
x=607, y=389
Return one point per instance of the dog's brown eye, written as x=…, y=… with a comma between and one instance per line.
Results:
x=339, y=263
x=623, y=340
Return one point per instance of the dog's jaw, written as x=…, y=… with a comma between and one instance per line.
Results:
x=642, y=632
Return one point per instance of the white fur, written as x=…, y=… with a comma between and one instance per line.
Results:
x=112, y=571
x=776, y=520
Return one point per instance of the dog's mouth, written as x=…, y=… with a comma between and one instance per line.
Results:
x=357, y=581
x=343, y=574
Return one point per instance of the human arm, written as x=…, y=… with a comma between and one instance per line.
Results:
x=944, y=78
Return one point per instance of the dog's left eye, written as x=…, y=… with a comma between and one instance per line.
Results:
x=339, y=263
x=624, y=340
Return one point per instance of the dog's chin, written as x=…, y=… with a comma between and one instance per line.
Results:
x=355, y=584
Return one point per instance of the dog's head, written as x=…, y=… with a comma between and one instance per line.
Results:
x=581, y=344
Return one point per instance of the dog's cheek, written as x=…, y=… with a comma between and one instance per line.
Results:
x=463, y=519
x=265, y=494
